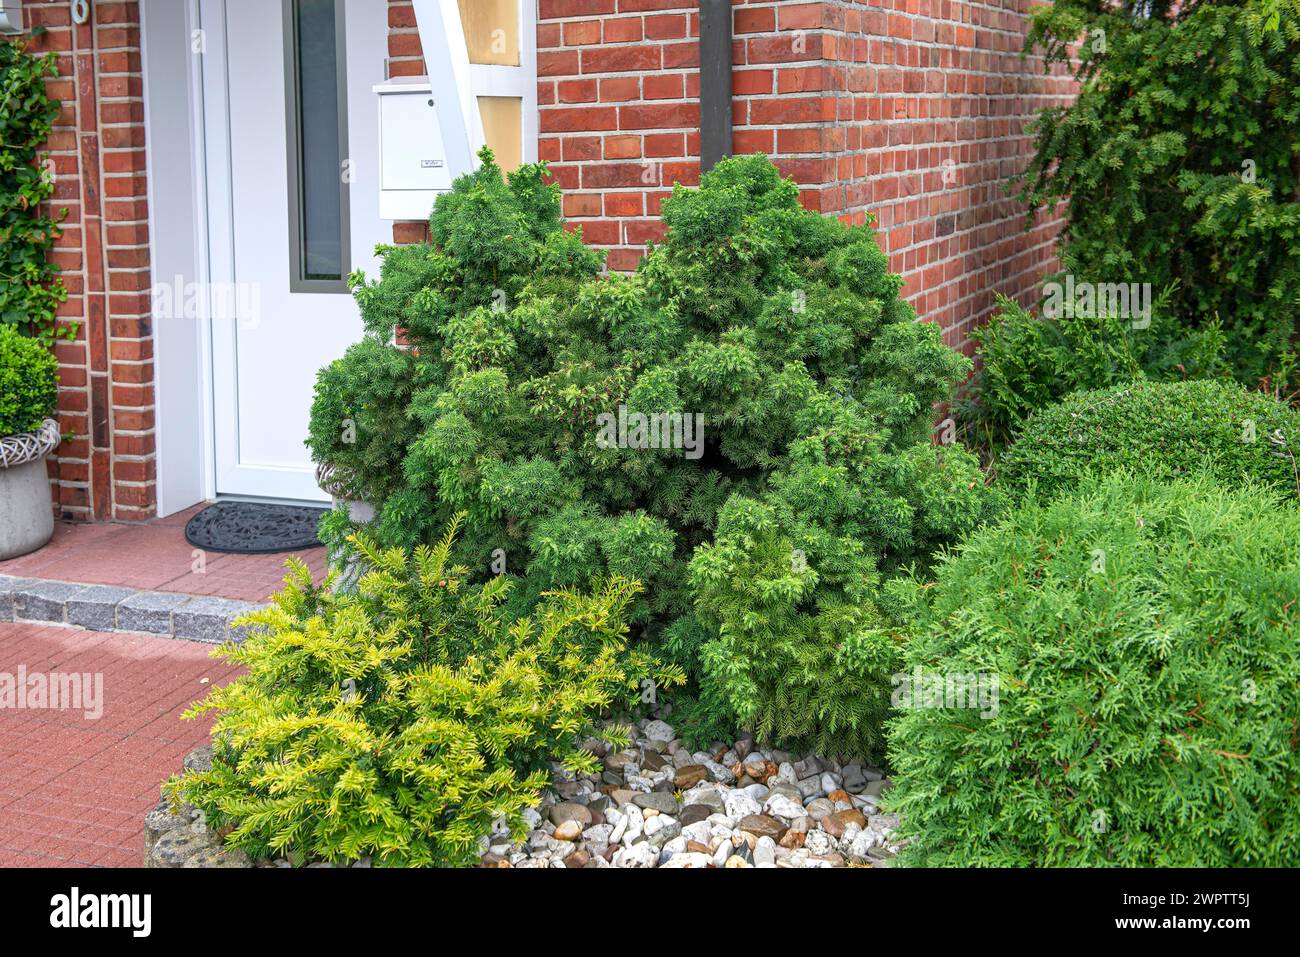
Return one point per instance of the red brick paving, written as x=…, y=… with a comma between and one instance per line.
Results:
x=74, y=791
x=155, y=557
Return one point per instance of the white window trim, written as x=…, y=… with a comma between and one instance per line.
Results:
x=457, y=84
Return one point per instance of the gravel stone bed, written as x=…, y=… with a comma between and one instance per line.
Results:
x=655, y=804
x=658, y=804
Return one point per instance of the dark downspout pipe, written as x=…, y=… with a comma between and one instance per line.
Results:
x=715, y=82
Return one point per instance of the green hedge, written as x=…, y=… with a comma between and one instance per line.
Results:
x=1166, y=429
x=30, y=288
x=1143, y=635
x=1027, y=363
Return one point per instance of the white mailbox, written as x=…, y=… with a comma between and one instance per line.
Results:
x=413, y=166
x=11, y=16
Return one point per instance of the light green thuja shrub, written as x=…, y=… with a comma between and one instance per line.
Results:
x=779, y=335
x=1164, y=429
x=1142, y=635
x=402, y=721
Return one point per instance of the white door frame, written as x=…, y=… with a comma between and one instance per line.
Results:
x=178, y=252
x=214, y=121
x=183, y=216
x=365, y=31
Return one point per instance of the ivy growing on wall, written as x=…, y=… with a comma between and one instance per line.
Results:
x=30, y=288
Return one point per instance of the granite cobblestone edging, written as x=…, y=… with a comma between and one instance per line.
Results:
x=110, y=608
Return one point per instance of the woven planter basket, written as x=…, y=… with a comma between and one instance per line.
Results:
x=27, y=447
x=348, y=568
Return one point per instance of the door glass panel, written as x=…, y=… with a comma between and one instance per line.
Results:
x=503, y=121
x=491, y=31
x=319, y=230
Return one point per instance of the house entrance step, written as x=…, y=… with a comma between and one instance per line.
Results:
x=109, y=608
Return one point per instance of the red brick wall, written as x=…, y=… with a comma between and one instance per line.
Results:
x=618, y=94
x=929, y=102
x=913, y=111
x=404, y=56
x=865, y=103
x=106, y=400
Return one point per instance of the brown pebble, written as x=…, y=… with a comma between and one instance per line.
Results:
x=836, y=824
x=792, y=839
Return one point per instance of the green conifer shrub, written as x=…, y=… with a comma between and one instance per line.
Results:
x=402, y=721
x=798, y=638
x=1165, y=429
x=1142, y=634
x=494, y=239
x=779, y=330
x=29, y=382
x=1027, y=363
x=1178, y=159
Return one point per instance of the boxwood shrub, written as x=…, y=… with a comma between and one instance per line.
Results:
x=1167, y=429
x=1143, y=637
x=779, y=332
x=29, y=382
x=1027, y=363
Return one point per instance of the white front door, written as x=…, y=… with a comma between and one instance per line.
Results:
x=290, y=135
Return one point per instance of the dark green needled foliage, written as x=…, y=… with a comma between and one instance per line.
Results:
x=1178, y=160
x=779, y=332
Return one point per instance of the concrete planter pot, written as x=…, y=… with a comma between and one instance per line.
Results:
x=347, y=567
x=26, y=513
x=363, y=513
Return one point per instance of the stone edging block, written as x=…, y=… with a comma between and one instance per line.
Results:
x=109, y=608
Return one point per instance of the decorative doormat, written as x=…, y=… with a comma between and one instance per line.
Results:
x=251, y=528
